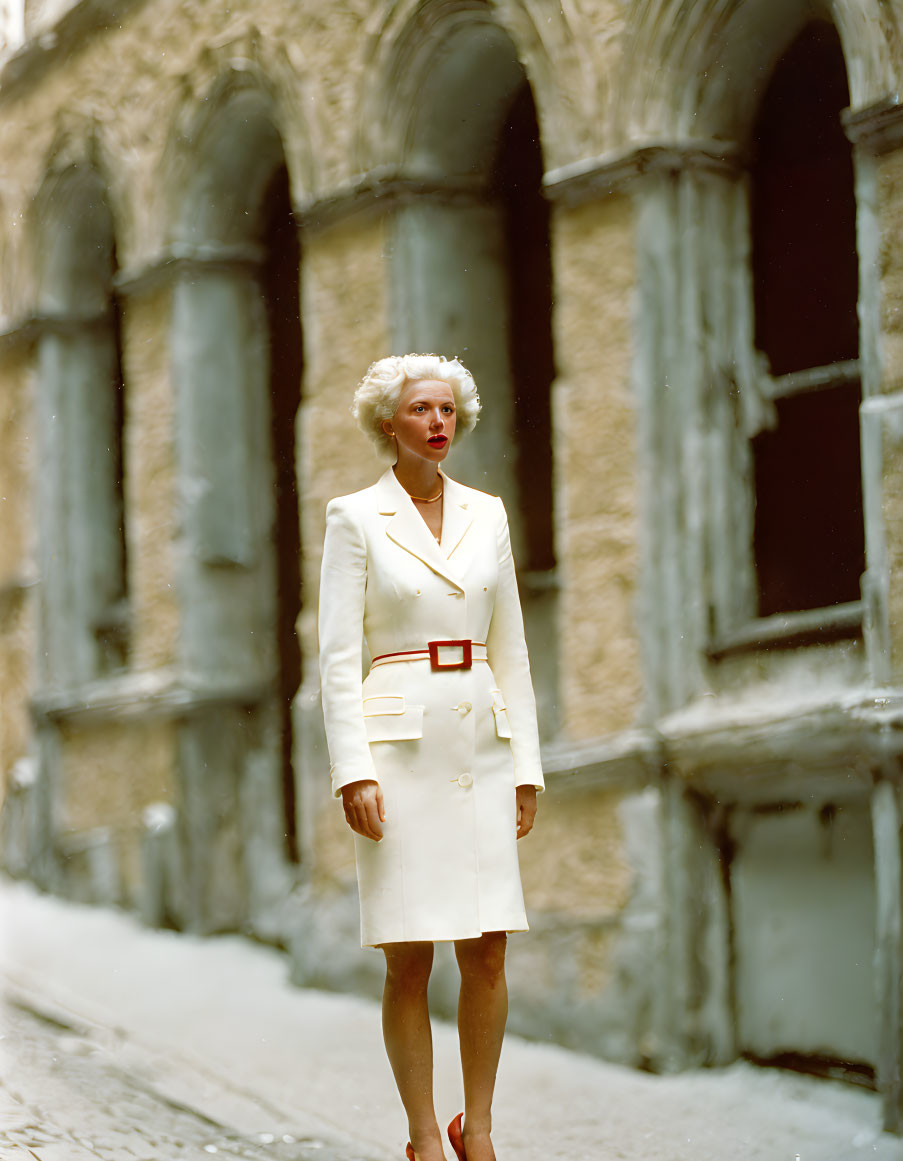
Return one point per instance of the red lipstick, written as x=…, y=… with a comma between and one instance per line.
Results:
x=438, y=440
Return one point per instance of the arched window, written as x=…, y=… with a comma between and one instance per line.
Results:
x=809, y=538
x=237, y=356
x=80, y=403
x=517, y=183
x=747, y=369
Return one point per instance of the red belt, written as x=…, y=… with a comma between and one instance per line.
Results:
x=470, y=652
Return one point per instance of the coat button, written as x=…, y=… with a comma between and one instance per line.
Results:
x=464, y=708
x=465, y=780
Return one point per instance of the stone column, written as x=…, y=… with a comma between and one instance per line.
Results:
x=886, y=825
x=694, y=1012
x=229, y=741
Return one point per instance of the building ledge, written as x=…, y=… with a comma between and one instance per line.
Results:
x=630, y=758
x=129, y=696
x=748, y=752
x=789, y=630
x=755, y=753
x=877, y=128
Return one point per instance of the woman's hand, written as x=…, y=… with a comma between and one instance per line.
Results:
x=365, y=811
x=526, y=809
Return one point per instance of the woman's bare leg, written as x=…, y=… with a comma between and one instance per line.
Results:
x=482, y=1013
x=409, y=1041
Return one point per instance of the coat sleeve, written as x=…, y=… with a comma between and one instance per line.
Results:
x=507, y=653
x=343, y=583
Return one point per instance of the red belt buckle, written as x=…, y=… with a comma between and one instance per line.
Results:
x=466, y=661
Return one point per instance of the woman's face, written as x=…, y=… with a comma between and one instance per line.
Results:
x=424, y=421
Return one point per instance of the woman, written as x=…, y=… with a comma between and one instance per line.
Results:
x=435, y=754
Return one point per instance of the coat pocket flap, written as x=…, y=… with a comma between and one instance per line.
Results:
x=392, y=724
x=387, y=703
x=500, y=713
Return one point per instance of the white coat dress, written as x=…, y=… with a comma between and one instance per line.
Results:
x=448, y=747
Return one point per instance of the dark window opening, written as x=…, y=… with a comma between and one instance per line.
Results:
x=517, y=180
x=112, y=630
x=805, y=266
x=85, y=570
x=280, y=281
x=809, y=537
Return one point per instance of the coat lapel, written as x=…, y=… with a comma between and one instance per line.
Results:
x=457, y=517
x=408, y=529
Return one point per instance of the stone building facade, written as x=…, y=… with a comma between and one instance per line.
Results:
x=666, y=238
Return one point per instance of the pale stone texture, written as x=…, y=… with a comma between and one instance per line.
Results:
x=150, y=482
x=16, y=468
x=334, y=851
x=111, y=772
x=345, y=317
x=890, y=211
x=578, y=881
x=574, y=862
x=17, y=617
x=892, y=465
x=596, y=444
x=890, y=215
x=18, y=608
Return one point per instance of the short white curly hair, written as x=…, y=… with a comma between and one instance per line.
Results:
x=378, y=393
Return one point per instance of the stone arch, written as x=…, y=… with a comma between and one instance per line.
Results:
x=697, y=71
x=733, y=49
x=406, y=38
x=237, y=362
x=228, y=153
x=80, y=407
x=413, y=55
x=74, y=246
x=264, y=74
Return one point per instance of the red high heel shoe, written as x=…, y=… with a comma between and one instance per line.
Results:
x=456, y=1136
x=409, y=1152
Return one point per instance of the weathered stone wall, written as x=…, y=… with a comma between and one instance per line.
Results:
x=18, y=606
x=575, y=863
x=132, y=121
x=17, y=626
x=112, y=771
x=595, y=295
x=612, y=931
x=890, y=442
x=892, y=464
x=150, y=479
x=140, y=87
x=890, y=213
x=346, y=326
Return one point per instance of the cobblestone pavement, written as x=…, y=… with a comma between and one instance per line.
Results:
x=64, y=1096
